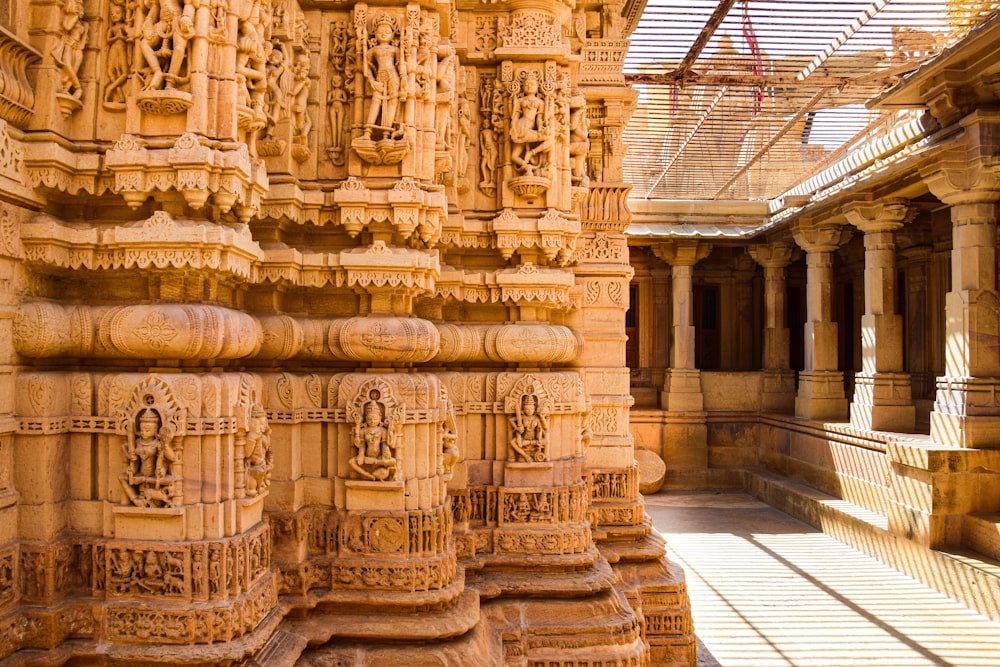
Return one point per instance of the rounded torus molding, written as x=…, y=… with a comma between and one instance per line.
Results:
x=511, y=343
x=165, y=331
x=282, y=337
x=174, y=331
x=385, y=338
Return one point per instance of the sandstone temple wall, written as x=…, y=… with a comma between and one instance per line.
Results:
x=312, y=338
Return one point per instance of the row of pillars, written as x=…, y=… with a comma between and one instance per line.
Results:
x=967, y=400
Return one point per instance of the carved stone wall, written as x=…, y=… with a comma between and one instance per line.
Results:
x=311, y=333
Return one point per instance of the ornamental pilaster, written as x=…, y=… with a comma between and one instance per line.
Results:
x=778, y=379
x=882, y=397
x=821, y=387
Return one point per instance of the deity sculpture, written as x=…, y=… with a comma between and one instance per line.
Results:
x=529, y=431
x=167, y=28
x=149, y=457
x=531, y=141
x=374, y=438
x=68, y=54
x=257, y=454
x=385, y=70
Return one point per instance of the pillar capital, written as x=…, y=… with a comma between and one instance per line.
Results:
x=775, y=255
x=885, y=215
x=957, y=182
x=818, y=237
x=682, y=252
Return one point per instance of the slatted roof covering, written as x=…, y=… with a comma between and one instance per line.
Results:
x=745, y=99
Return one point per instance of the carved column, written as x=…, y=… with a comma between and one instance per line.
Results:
x=966, y=407
x=882, y=395
x=778, y=379
x=821, y=385
x=660, y=323
x=686, y=435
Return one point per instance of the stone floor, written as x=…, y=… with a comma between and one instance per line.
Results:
x=767, y=590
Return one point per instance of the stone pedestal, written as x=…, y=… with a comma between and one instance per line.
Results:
x=364, y=495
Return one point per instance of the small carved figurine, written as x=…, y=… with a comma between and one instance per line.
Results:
x=68, y=51
x=166, y=30
x=258, y=453
x=530, y=431
x=529, y=133
x=147, y=480
x=383, y=67
x=374, y=439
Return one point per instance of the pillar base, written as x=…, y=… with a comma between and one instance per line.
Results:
x=683, y=391
x=882, y=402
x=821, y=396
x=967, y=412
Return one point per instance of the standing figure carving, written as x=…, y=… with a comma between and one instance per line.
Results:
x=257, y=454
x=579, y=138
x=385, y=70
x=149, y=460
x=301, y=121
x=68, y=55
x=531, y=140
x=376, y=435
x=119, y=56
x=529, y=430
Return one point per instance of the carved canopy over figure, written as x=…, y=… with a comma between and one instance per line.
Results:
x=375, y=436
x=149, y=457
x=529, y=431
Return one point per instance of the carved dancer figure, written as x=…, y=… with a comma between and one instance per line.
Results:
x=117, y=66
x=489, y=151
x=464, y=137
x=374, y=440
x=336, y=101
x=68, y=51
x=579, y=138
x=529, y=132
x=383, y=68
x=445, y=96
x=301, y=122
x=530, y=431
x=257, y=456
x=147, y=480
x=166, y=29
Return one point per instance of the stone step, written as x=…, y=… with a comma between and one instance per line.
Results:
x=982, y=534
x=968, y=577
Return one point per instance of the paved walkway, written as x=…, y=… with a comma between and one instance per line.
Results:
x=767, y=590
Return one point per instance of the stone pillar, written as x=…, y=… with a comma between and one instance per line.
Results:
x=821, y=384
x=778, y=380
x=917, y=262
x=660, y=318
x=966, y=408
x=882, y=396
x=685, y=433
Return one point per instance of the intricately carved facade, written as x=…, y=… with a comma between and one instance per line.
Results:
x=313, y=335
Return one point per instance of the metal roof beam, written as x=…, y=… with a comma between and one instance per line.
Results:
x=701, y=41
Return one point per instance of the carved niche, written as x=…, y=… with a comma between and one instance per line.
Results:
x=153, y=426
x=382, y=47
x=378, y=421
x=528, y=407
